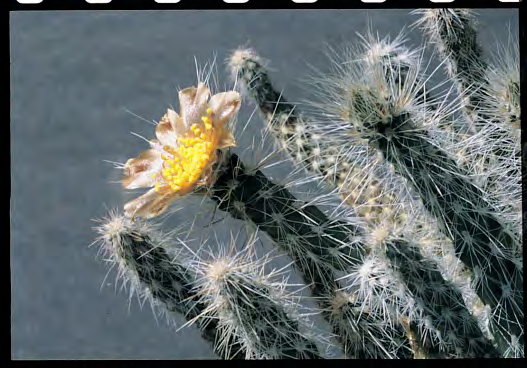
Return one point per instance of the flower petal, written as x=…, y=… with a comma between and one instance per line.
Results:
x=177, y=123
x=193, y=103
x=138, y=171
x=150, y=204
x=226, y=140
x=165, y=133
x=156, y=145
x=224, y=105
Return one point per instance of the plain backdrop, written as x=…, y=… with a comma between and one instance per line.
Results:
x=77, y=81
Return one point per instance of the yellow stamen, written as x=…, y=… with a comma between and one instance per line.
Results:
x=188, y=157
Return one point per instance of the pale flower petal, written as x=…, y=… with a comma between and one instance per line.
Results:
x=177, y=122
x=150, y=204
x=138, y=171
x=156, y=145
x=193, y=103
x=165, y=132
x=226, y=140
x=224, y=105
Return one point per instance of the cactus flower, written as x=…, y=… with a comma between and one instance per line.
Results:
x=182, y=157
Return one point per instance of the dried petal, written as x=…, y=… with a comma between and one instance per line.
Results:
x=226, y=140
x=138, y=171
x=165, y=132
x=150, y=204
x=224, y=105
x=193, y=103
x=176, y=121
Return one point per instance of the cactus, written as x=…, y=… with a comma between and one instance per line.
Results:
x=141, y=253
x=420, y=258
x=251, y=307
x=316, y=244
x=442, y=304
x=455, y=34
x=204, y=292
x=291, y=129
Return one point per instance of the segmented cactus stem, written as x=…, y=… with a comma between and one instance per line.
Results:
x=308, y=148
x=481, y=240
x=251, y=309
x=316, y=244
x=139, y=251
x=457, y=332
x=455, y=36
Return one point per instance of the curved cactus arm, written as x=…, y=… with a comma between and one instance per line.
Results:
x=455, y=35
x=490, y=93
x=367, y=191
x=251, y=306
x=139, y=251
x=283, y=119
x=317, y=245
x=504, y=77
x=481, y=239
x=303, y=229
x=450, y=328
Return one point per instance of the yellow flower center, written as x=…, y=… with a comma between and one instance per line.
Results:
x=183, y=168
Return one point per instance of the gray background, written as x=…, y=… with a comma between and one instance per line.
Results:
x=74, y=75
